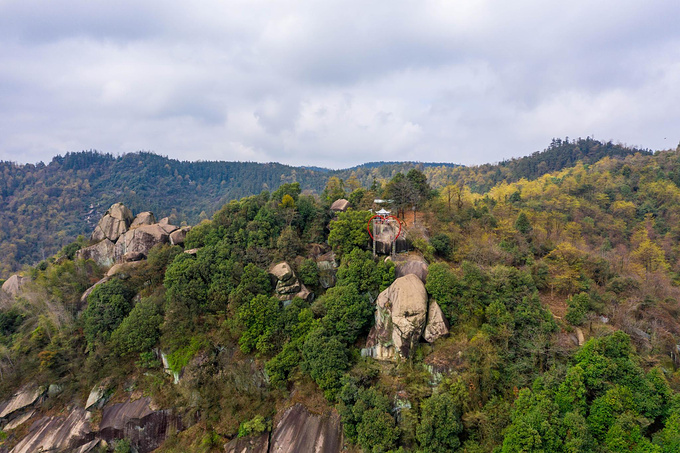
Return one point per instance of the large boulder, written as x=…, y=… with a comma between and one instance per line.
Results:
x=145, y=428
x=12, y=285
x=437, y=326
x=58, y=434
x=287, y=285
x=140, y=240
x=328, y=267
x=89, y=290
x=178, y=237
x=340, y=205
x=415, y=267
x=23, y=399
x=115, y=222
x=143, y=218
x=401, y=313
x=300, y=431
x=101, y=253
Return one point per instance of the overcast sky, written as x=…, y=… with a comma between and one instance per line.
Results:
x=335, y=83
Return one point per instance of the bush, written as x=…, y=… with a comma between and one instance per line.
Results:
x=256, y=425
x=107, y=307
x=443, y=246
x=577, y=309
x=141, y=330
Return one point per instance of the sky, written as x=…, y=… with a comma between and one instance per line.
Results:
x=335, y=83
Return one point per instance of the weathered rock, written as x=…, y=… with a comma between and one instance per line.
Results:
x=579, y=337
x=255, y=444
x=88, y=447
x=101, y=253
x=282, y=271
x=134, y=420
x=24, y=398
x=340, y=205
x=131, y=257
x=328, y=268
x=385, y=243
x=290, y=287
x=12, y=285
x=98, y=397
x=143, y=218
x=19, y=420
x=54, y=390
x=300, y=431
x=178, y=236
x=115, y=222
x=415, y=267
x=437, y=326
x=401, y=312
x=89, y=290
x=140, y=240
x=192, y=251
x=122, y=268
x=57, y=433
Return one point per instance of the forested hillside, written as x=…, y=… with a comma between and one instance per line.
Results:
x=560, y=291
x=44, y=207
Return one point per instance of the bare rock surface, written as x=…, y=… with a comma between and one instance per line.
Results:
x=255, y=444
x=98, y=396
x=12, y=285
x=340, y=205
x=134, y=420
x=143, y=218
x=101, y=253
x=178, y=237
x=401, y=313
x=140, y=240
x=22, y=399
x=328, y=268
x=115, y=222
x=122, y=268
x=415, y=267
x=20, y=420
x=301, y=431
x=437, y=326
x=287, y=284
x=57, y=433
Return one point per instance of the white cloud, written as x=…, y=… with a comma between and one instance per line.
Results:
x=334, y=83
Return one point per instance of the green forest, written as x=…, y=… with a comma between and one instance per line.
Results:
x=44, y=207
x=558, y=275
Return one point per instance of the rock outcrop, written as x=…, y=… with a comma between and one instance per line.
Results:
x=57, y=433
x=437, y=326
x=415, y=267
x=143, y=218
x=120, y=238
x=328, y=267
x=340, y=205
x=401, y=313
x=300, y=431
x=12, y=285
x=101, y=253
x=287, y=284
x=115, y=222
x=25, y=398
x=254, y=444
x=134, y=420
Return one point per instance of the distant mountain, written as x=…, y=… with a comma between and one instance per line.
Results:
x=44, y=207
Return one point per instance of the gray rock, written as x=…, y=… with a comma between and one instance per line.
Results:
x=101, y=253
x=134, y=420
x=13, y=285
x=57, y=433
x=24, y=398
x=98, y=397
x=415, y=267
x=328, y=268
x=115, y=222
x=282, y=271
x=140, y=240
x=299, y=431
x=178, y=236
x=401, y=313
x=254, y=444
x=437, y=326
x=19, y=420
x=340, y=205
x=143, y=218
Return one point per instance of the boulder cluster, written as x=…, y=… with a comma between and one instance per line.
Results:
x=121, y=237
x=403, y=316
x=287, y=285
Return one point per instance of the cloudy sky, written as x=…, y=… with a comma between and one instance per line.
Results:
x=335, y=83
